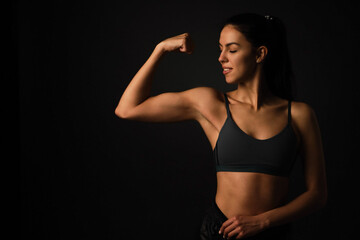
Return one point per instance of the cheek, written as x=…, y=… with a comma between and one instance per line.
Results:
x=243, y=63
x=239, y=63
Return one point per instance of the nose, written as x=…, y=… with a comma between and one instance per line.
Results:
x=222, y=57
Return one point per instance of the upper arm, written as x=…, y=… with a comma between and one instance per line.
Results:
x=311, y=149
x=169, y=106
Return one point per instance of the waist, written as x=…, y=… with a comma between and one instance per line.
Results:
x=247, y=193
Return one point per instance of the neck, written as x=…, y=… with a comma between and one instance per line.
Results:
x=254, y=92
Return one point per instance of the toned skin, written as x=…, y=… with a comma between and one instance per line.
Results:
x=252, y=202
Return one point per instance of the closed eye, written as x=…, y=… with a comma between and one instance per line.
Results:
x=229, y=51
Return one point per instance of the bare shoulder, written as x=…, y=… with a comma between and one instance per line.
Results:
x=208, y=92
x=204, y=96
x=301, y=110
x=303, y=114
x=207, y=102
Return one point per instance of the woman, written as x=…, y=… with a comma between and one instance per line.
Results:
x=256, y=131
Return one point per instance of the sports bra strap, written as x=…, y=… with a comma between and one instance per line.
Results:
x=227, y=105
x=289, y=111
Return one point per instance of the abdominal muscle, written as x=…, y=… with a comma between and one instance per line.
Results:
x=247, y=193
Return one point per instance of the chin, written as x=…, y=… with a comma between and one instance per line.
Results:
x=231, y=80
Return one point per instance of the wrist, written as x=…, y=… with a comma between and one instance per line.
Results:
x=265, y=221
x=160, y=48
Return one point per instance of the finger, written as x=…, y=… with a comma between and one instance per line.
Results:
x=183, y=47
x=240, y=235
x=225, y=224
x=231, y=229
x=186, y=45
x=235, y=232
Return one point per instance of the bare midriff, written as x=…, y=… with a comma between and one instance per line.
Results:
x=247, y=193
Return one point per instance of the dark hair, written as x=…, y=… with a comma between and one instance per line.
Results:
x=268, y=31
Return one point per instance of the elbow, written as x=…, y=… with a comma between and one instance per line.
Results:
x=121, y=113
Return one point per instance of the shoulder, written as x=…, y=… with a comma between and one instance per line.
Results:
x=310, y=136
x=208, y=102
x=303, y=115
x=204, y=95
x=301, y=110
x=204, y=92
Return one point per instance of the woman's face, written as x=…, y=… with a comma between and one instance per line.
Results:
x=237, y=57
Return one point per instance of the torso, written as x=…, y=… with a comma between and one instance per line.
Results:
x=247, y=193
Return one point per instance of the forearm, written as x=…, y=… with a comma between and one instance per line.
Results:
x=301, y=206
x=139, y=88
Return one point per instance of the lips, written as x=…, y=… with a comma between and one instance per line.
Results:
x=227, y=70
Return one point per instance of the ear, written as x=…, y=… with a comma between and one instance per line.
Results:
x=261, y=53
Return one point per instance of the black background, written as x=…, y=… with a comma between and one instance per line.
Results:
x=85, y=174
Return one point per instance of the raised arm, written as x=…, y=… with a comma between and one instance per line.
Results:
x=136, y=102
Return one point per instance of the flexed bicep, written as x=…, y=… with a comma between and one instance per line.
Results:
x=135, y=102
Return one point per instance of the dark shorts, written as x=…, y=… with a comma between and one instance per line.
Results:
x=214, y=218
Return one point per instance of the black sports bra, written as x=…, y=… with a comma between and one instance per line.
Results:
x=236, y=151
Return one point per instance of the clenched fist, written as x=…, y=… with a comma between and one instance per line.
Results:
x=180, y=43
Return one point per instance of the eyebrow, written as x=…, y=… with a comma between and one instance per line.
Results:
x=228, y=44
